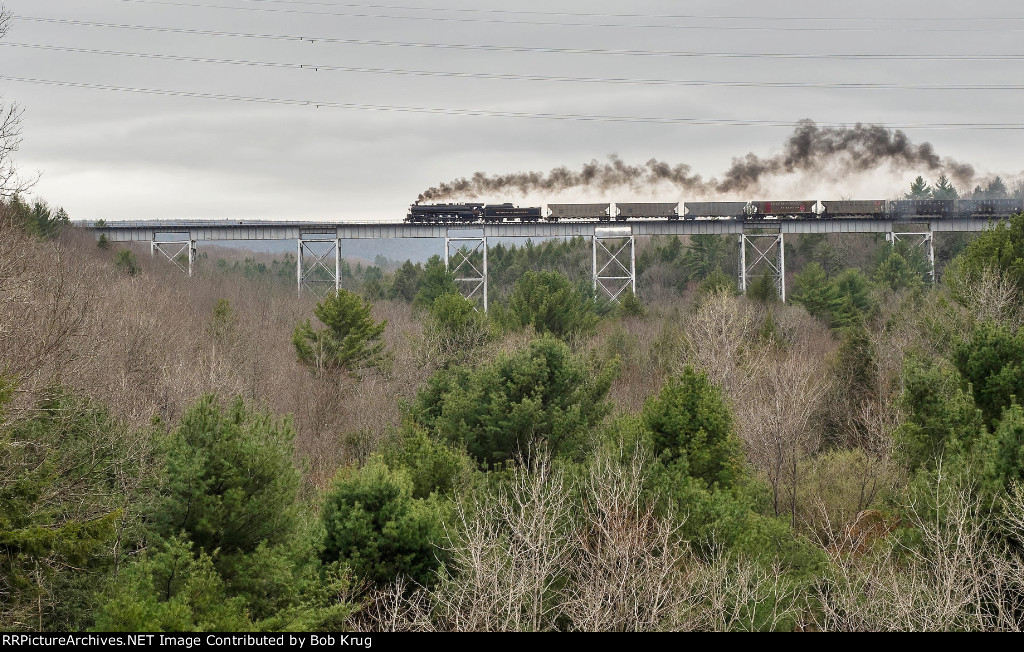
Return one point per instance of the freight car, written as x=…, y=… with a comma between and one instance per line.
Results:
x=600, y=212
x=907, y=208
x=656, y=210
x=736, y=210
x=988, y=207
x=854, y=208
x=796, y=209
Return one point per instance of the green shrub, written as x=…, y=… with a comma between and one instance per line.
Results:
x=375, y=526
x=542, y=397
x=552, y=304
x=691, y=426
x=126, y=262
x=171, y=590
x=229, y=482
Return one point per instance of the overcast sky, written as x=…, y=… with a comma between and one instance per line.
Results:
x=116, y=154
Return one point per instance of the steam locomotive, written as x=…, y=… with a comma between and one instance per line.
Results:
x=901, y=209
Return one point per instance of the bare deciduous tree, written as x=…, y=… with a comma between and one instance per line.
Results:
x=741, y=595
x=991, y=297
x=956, y=577
x=718, y=333
x=507, y=554
x=777, y=419
x=10, y=135
x=630, y=571
x=524, y=561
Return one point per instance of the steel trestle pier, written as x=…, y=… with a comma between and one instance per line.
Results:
x=613, y=276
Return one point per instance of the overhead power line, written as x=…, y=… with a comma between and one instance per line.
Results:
x=363, y=5
x=518, y=77
x=486, y=47
x=363, y=13
x=574, y=117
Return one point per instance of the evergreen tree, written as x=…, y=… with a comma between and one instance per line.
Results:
x=691, y=427
x=552, y=304
x=999, y=249
x=406, y=282
x=544, y=396
x=1004, y=459
x=716, y=282
x=855, y=300
x=996, y=189
x=942, y=420
x=38, y=219
x=436, y=280
x=171, y=590
x=992, y=360
x=706, y=255
x=919, y=189
x=631, y=306
x=69, y=500
x=813, y=290
x=455, y=328
x=349, y=341
x=763, y=289
x=126, y=262
x=901, y=267
x=375, y=526
x=229, y=482
x=944, y=189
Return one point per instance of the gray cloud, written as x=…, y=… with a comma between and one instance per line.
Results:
x=106, y=153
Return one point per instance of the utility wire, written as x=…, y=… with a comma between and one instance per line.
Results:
x=504, y=114
x=356, y=5
x=540, y=50
x=507, y=21
x=515, y=77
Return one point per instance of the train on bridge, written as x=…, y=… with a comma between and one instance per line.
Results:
x=810, y=209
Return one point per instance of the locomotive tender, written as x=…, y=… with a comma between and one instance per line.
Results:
x=729, y=210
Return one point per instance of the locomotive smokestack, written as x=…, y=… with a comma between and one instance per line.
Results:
x=810, y=150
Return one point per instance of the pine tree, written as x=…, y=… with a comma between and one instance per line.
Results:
x=764, y=289
x=691, y=427
x=944, y=189
x=436, y=280
x=373, y=524
x=814, y=291
x=552, y=304
x=919, y=189
x=706, y=254
x=996, y=189
x=350, y=340
x=541, y=397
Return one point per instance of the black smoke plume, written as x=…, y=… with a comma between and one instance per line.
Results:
x=810, y=149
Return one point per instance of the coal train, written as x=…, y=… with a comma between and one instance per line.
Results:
x=900, y=209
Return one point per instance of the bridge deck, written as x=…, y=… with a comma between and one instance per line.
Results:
x=280, y=230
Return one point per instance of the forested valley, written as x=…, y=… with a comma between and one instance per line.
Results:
x=218, y=454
